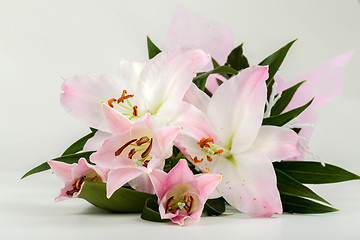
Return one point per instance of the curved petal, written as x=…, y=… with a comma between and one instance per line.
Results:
x=118, y=177
x=83, y=96
x=95, y=143
x=166, y=78
x=207, y=184
x=117, y=122
x=277, y=143
x=181, y=173
x=250, y=185
x=142, y=183
x=193, y=122
x=158, y=179
x=130, y=71
x=163, y=141
x=105, y=157
x=81, y=168
x=197, y=98
x=237, y=107
x=62, y=170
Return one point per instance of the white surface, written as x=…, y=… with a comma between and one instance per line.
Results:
x=42, y=41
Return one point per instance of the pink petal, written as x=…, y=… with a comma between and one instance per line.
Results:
x=193, y=122
x=62, y=170
x=117, y=122
x=179, y=174
x=94, y=143
x=197, y=98
x=118, y=177
x=250, y=185
x=207, y=184
x=82, y=168
x=277, y=143
x=83, y=97
x=142, y=183
x=158, y=179
x=105, y=156
x=188, y=28
x=237, y=107
x=166, y=78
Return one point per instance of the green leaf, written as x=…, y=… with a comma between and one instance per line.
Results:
x=151, y=211
x=282, y=119
x=215, y=63
x=236, y=59
x=314, y=172
x=200, y=79
x=123, y=200
x=71, y=158
x=214, y=207
x=294, y=204
x=289, y=186
x=79, y=144
x=153, y=50
x=285, y=99
x=275, y=60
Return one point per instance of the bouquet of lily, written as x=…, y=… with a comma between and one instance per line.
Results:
x=171, y=138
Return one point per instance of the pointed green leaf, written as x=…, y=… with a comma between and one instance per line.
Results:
x=285, y=99
x=289, y=186
x=215, y=63
x=282, y=119
x=275, y=60
x=79, y=144
x=71, y=158
x=123, y=200
x=294, y=204
x=236, y=59
x=151, y=211
x=153, y=50
x=214, y=206
x=314, y=172
x=200, y=79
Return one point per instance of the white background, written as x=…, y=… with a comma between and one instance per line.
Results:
x=43, y=41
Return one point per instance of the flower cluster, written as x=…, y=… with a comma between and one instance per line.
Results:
x=164, y=133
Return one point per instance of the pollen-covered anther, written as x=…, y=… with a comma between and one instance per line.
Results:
x=218, y=152
x=110, y=102
x=142, y=141
x=196, y=160
x=76, y=186
x=208, y=158
x=135, y=111
x=124, y=97
x=121, y=149
x=131, y=153
x=147, y=150
x=204, y=142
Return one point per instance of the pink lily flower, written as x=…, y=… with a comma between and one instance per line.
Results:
x=134, y=150
x=244, y=150
x=181, y=194
x=156, y=86
x=74, y=175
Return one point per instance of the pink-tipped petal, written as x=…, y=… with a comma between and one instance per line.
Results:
x=83, y=96
x=163, y=140
x=158, y=179
x=166, y=78
x=207, y=183
x=277, y=143
x=179, y=174
x=62, y=170
x=117, y=122
x=82, y=168
x=193, y=122
x=118, y=177
x=94, y=143
x=250, y=185
x=237, y=107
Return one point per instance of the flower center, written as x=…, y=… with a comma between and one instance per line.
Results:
x=76, y=187
x=139, y=152
x=124, y=106
x=210, y=149
x=184, y=204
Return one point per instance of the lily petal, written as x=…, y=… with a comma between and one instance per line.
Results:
x=117, y=122
x=207, y=184
x=197, y=98
x=158, y=179
x=237, y=107
x=62, y=170
x=118, y=177
x=249, y=185
x=94, y=143
x=166, y=78
x=142, y=183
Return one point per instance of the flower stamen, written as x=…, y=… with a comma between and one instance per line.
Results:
x=120, y=150
x=135, y=111
x=124, y=97
x=110, y=102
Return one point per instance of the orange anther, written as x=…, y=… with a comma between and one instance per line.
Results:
x=220, y=151
x=207, y=170
x=204, y=142
x=195, y=159
x=135, y=111
x=110, y=102
x=208, y=158
x=124, y=96
x=131, y=153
